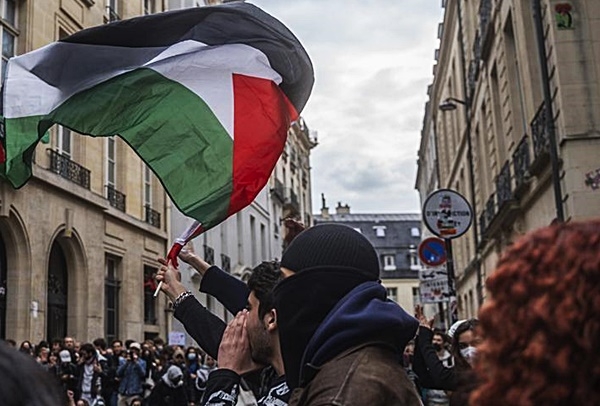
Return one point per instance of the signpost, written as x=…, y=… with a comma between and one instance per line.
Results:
x=448, y=215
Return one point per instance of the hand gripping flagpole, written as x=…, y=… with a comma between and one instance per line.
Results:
x=194, y=230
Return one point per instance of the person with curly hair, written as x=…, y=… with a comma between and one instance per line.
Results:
x=541, y=326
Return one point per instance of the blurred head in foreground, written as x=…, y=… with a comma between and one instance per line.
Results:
x=541, y=326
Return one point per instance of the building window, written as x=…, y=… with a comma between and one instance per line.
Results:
x=147, y=186
x=392, y=294
x=179, y=4
x=112, y=11
x=149, y=7
x=149, y=288
x=63, y=141
x=112, y=285
x=379, y=231
x=415, y=232
x=413, y=259
x=111, y=162
x=263, y=242
x=253, y=238
x=209, y=254
x=389, y=263
x=8, y=32
x=416, y=296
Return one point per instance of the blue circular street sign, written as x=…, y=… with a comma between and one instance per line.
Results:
x=432, y=251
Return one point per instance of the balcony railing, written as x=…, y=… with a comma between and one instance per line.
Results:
x=291, y=203
x=68, y=169
x=485, y=15
x=225, y=263
x=488, y=214
x=482, y=224
x=152, y=216
x=116, y=198
x=278, y=191
x=521, y=163
x=503, y=186
x=539, y=133
x=209, y=254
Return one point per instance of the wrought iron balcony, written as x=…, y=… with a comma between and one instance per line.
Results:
x=209, y=254
x=152, y=216
x=482, y=224
x=226, y=263
x=486, y=28
x=503, y=186
x=278, y=191
x=116, y=198
x=68, y=169
x=539, y=133
x=291, y=203
x=521, y=164
x=489, y=212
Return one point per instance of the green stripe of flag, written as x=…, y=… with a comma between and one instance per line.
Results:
x=168, y=125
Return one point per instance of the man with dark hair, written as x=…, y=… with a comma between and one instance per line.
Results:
x=341, y=338
x=260, y=344
x=91, y=372
x=111, y=383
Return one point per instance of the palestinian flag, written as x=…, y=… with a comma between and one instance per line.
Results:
x=205, y=96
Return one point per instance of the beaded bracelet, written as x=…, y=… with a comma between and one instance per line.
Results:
x=182, y=296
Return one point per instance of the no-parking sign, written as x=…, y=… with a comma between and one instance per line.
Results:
x=432, y=251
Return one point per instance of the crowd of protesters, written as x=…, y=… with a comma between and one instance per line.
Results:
x=321, y=324
x=124, y=373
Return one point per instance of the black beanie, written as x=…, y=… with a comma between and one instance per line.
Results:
x=331, y=246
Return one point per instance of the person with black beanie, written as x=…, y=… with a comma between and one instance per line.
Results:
x=341, y=338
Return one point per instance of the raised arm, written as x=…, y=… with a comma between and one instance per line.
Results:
x=227, y=289
x=203, y=326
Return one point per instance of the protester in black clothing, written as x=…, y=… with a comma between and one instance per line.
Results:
x=110, y=388
x=170, y=389
x=67, y=371
x=193, y=362
x=457, y=380
x=341, y=338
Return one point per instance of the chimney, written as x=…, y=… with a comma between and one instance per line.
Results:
x=324, y=208
x=345, y=209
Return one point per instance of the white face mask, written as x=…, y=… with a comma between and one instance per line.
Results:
x=469, y=353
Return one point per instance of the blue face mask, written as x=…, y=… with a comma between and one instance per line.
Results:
x=192, y=356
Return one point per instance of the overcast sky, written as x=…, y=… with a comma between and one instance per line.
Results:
x=373, y=61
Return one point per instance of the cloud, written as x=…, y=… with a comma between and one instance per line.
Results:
x=373, y=62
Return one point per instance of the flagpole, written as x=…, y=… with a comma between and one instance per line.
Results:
x=194, y=230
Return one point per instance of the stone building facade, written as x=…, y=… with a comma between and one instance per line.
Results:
x=81, y=238
x=487, y=112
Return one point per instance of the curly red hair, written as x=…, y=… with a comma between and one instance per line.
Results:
x=541, y=327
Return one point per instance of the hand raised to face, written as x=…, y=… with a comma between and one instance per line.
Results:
x=234, y=351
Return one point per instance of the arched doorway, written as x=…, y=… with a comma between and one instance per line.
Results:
x=3, y=287
x=56, y=321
